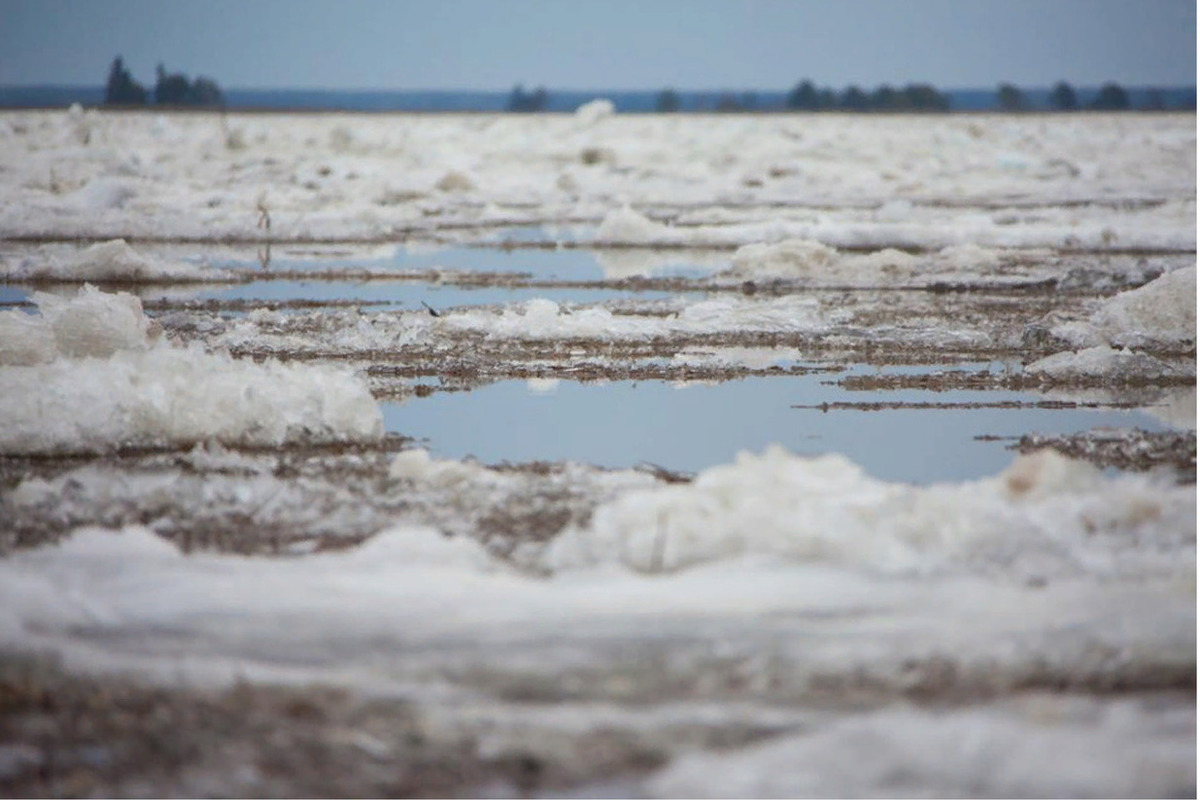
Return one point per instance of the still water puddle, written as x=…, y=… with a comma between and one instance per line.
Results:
x=542, y=264
x=693, y=426
x=398, y=296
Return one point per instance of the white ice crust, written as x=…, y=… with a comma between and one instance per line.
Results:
x=848, y=181
x=1045, y=516
x=88, y=374
x=782, y=579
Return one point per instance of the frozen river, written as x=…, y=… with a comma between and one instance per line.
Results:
x=597, y=455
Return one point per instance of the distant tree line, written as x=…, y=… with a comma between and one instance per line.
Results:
x=806, y=96
x=170, y=89
x=521, y=100
x=1111, y=97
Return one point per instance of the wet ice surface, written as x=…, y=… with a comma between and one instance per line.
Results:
x=687, y=427
x=203, y=493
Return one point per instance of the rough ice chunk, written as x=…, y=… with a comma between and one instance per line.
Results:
x=174, y=396
x=1103, y=362
x=594, y=111
x=793, y=258
x=626, y=226
x=1040, y=518
x=799, y=259
x=25, y=339
x=1163, y=310
x=418, y=465
x=87, y=376
x=94, y=323
x=969, y=256
x=1161, y=314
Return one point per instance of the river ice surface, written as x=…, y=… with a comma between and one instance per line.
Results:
x=197, y=490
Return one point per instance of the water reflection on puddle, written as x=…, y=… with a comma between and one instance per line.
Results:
x=569, y=264
x=398, y=295
x=694, y=426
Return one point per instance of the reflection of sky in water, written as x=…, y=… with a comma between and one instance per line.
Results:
x=410, y=295
x=696, y=426
x=540, y=264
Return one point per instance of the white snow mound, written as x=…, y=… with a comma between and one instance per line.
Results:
x=1044, y=517
x=174, y=396
x=92, y=323
x=792, y=258
x=626, y=226
x=1163, y=310
x=86, y=376
x=1101, y=362
x=594, y=111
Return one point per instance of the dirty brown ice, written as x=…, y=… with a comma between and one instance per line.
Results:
x=955, y=555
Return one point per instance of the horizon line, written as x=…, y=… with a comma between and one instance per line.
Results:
x=571, y=90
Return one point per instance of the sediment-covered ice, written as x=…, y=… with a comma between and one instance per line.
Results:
x=1158, y=316
x=1046, y=516
x=109, y=261
x=1114, y=364
x=545, y=319
x=1163, y=311
x=88, y=374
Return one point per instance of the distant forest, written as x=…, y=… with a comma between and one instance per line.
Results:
x=170, y=89
x=177, y=90
x=915, y=97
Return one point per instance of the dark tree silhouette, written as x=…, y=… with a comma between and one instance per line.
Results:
x=205, y=92
x=520, y=100
x=923, y=97
x=883, y=98
x=803, y=96
x=1010, y=97
x=728, y=101
x=1062, y=97
x=122, y=89
x=1111, y=98
x=667, y=101
x=170, y=89
x=854, y=99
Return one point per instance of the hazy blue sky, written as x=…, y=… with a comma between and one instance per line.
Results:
x=583, y=44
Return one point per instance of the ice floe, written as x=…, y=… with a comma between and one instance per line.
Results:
x=1158, y=317
x=1045, y=516
x=88, y=374
x=93, y=323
